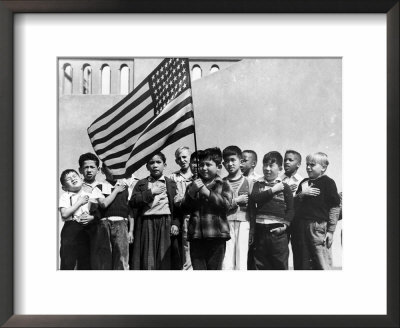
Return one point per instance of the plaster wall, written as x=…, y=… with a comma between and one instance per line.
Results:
x=260, y=104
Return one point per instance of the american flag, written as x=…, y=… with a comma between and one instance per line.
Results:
x=158, y=112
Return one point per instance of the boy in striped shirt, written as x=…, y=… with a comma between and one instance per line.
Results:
x=238, y=217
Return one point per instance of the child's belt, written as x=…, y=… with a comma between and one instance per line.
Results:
x=114, y=218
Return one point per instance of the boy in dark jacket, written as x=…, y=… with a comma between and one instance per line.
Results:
x=317, y=212
x=208, y=199
x=157, y=220
x=271, y=212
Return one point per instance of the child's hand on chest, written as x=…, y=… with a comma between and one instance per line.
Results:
x=277, y=195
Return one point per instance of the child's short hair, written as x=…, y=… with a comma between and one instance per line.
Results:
x=273, y=157
x=65, y=173
x=252, y=152
x=161, y=155
x=194, y=155
x=181, y=149
x=319, y=157
x=232, y=151
x=296, y=153
x=214, y=154
x=88, y=157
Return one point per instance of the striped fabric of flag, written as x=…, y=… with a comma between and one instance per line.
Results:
x=158, y=112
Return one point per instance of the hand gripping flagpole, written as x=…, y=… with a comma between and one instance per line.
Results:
x=196, y=174
x=195, y=148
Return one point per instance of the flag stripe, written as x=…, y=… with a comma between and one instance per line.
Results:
x=162, y=126
x=173, y=138
x=149, y=150
x=184, y=120
x=123, y=155
x=120, y=104
x=172, y=108
x=133, y=126
x=132, y=138
x=114, y=150
x=155, y=142
x=118, y=145
x=113, y=117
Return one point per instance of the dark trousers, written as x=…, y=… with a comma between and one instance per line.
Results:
x=152, y=244
x=75, y=246
x=269, y=251
x=111, y=247
x=207, y=254
x=308, y=245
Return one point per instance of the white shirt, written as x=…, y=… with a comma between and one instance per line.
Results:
x=130, y=182
x=254, y=176
x=181, y=184
x=69, y=198
x=293, y=180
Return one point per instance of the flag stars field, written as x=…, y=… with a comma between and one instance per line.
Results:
x=158, y=112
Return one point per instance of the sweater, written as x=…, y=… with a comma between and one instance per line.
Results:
x=264, y=203
x=241, y=186
x=317, y=207
x=142, y=197
x=119, y=206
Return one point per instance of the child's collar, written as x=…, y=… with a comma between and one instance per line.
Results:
x=317, y=177
x=74, y=192
x=187, y=174
x=235, y=179
x=238, y=176
x=150, y=178
x=277, y=179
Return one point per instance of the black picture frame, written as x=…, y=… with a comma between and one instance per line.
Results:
x=10, y=7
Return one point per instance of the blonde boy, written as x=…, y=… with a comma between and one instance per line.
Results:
x=317, y=211
x=183, y=177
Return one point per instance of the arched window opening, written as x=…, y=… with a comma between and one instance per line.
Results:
x=86, y=79
x=67, y=79
x=196, y=72
x=214, y=68
x=124, y=80
x=105, y=80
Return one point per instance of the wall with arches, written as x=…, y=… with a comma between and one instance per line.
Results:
x=271, y=101
x=276, y=98
x=95, y=76
x=260, y=104
x=90, y=86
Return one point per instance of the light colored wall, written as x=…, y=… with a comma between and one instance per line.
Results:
x=274, y=104
x=262, y=104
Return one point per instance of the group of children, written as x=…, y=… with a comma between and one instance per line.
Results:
x=195, y=219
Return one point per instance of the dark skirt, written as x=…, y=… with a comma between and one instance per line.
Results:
x=154, y=248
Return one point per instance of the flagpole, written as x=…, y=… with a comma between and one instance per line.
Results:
x=194, y=125
x=195, y=142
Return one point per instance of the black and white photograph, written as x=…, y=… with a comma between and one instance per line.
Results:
x=191, y=168
x=200, y=163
